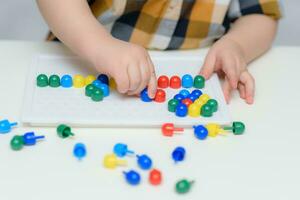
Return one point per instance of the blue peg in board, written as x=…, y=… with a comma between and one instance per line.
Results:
x=6, y=126
x=103, y=78
x=105, y=89
x=184, y=92
x=187, y=81
x=121, y=150
x=66, y=81
x=97, y=83
x=79, y=151
x=196, y=92
x=144, y=95
x=179, y=97
x=178, y=154
x=30, y=138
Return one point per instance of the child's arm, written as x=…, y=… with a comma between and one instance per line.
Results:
x=74, y=24
x=250, y=37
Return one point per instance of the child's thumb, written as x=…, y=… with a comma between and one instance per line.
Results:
x=208, y=66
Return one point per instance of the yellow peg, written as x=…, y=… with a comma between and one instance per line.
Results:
x=199, y=102
x=112, y=84
x=214, y=129
x=78, y=81
x=111, y=161
x=194, y=110
x=204, y=98
x=89, y=79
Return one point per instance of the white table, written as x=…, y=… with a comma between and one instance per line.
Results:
x=264, y=163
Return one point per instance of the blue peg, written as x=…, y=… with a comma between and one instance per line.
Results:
x=79, y=151
x=30, y=138
x=5, y=126
x=197, y=93
x=192, y=97
x=200, y=132
x=103, y=78
x=179, y=97
x=132, y=177
x=66, y=81
x=178, y=154
x=144, y=162
x=97, y=83
x=184, y=92
x=187, y=81
x=105, y=89
x=121, y=150
x=144, y=95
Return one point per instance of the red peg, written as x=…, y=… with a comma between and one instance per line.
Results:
x=163, y=82
x=168, y=129
x=155, y=177
x=187, y=102
x=160, y=96
x=175, y=82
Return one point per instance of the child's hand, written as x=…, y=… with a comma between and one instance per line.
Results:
x=226, y=58
x=129, y=64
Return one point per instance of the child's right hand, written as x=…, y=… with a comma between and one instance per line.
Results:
x=129, y=64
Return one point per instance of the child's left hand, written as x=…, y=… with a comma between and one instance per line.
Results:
x=226, y=57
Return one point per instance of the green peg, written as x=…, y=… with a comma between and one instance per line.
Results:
x=89, y=89
x=183, y=186
x=213, y=104
x=64, y=131
x=54, y=81
x=42, y=80
x=199, y=82
x=17, y=142
x=97, y=95
x=172, y=105
x=238, y=128
x=206, y=110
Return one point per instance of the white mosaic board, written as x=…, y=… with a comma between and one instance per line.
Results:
x=52, y=106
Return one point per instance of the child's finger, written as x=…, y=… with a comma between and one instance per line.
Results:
x=122, y=81
x=249, y=83
x=229, y=67
x=208, y=66
x=227, y=89
x=152, y=85
x=145, y=77
x=134, y=75
x=242, y=90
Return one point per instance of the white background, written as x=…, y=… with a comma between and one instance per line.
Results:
x=21, y=20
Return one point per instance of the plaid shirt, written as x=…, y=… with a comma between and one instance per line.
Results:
x=175, y=24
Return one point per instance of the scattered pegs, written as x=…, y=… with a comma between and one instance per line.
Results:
x=30, y=138
x=121, y=150
x=168, y=129
x=64, y=131
x=178, y=154
x=144, y=161
x=111, y=161
x=5, y=126
x=238, y=128
x=132, y=177
x=183, y=186
x=17, y=142
x=79, y=151
x=155, y=177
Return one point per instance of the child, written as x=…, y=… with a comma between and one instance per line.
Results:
x=243, y=30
